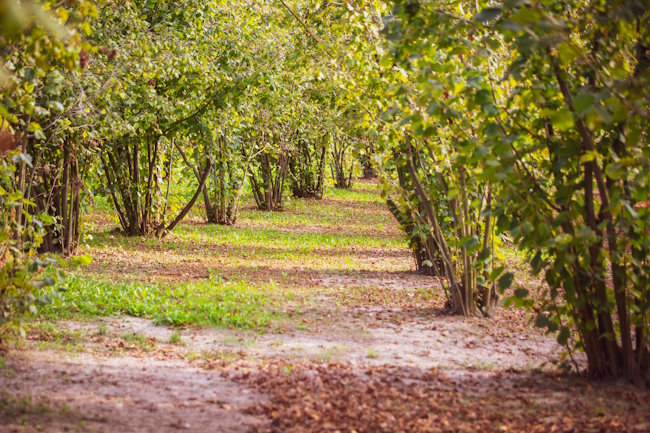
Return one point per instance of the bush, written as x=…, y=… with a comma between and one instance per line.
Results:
x=24, y=275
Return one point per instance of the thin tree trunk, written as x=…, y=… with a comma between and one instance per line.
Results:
x=189, y=205
x=65, y=183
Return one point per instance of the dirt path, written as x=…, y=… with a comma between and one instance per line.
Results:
x=361, y=343
x=53, y=392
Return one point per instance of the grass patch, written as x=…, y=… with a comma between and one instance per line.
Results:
x=333, y=353
x=12, y=407
x=232, y=276
x=360, y=192
x=142, y=341
x=101, y=330
x=49, y=335
x=175, y=338
x=300, y=242
x=202, y=303
x=372, y=354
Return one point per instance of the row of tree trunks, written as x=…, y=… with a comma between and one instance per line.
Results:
x=54, y=183
x=307, y=174
x=269, y=181
x=138, y=211
x=341, y=169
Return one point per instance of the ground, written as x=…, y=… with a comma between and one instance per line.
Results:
x=308, y=320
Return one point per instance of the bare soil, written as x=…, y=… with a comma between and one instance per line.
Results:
x=54, y=392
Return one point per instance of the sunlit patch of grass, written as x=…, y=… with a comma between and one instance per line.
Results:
x=229, y=304
x=350, y=217
x=256, y=237
x=360, y=192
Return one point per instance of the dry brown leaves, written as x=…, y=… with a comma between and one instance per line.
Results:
x=390, y=297
x=312, y=397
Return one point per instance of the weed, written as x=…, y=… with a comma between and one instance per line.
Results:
x=175, y=338
x=372, y=354
x=50, y=336
x=332, y=353
x=101, y=330
x=142, y=341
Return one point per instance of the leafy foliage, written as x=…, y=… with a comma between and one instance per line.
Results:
x=533, y=115
x=37, y=51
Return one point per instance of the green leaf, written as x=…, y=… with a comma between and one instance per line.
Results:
x=505, y=281
x=589, y=156
x=567, y=53
x=630, y=210
x=563, y=336
x=83, y=260
x=521, y=293
x=562, y=120
x=583, y=102
x=496, y=272
x=542, y=321
x=469, y=242
x=26, y=158
x=488, y=14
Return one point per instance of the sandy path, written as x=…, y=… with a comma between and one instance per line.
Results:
x=55, y=392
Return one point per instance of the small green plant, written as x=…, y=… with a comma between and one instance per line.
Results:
x=372, y=354
x=191, y=356
x=175, y=338
x=101, y=330
x=142, y=341
x=332, y=353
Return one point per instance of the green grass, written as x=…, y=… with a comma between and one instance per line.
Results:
x=252, y=237
x=140, y=340
x=332, y=353
x=346, y=217
x=211, y=234
x=360, y=192
x=190, y=303
x=175, y=338
x=253, y=267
